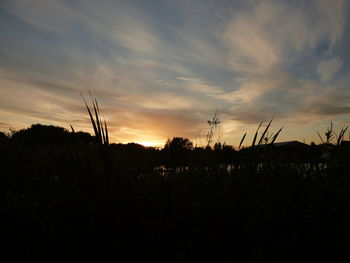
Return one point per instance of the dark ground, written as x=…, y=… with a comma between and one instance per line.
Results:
x=63, y=196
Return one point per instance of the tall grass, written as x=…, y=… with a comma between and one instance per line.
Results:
x=330, y=134
x=99, y=126
x=264, y=138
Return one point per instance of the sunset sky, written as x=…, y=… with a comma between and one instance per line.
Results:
x=161, y=68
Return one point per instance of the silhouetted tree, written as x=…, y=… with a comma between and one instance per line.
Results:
x=38, y=134
x=176, y=151
x=49, y=135
x=3, y=137
x=179, y=143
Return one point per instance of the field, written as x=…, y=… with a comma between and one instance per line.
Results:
x=68, y=194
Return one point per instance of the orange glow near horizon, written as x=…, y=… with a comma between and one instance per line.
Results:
x=149, y=143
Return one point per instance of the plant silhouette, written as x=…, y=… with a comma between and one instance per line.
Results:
x=65, y=193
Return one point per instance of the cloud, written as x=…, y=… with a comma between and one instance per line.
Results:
x=268, y=34
x=332, y=18
x=330, y=101
x=328, y=68
x=266, y=42
x=161, y=101
x=276, y=88
x=331, y=110
x=198, y=85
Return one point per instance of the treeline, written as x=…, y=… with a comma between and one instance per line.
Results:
x=177, y=152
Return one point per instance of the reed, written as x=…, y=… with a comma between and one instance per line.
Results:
x=99, y=126
x=276, y=135
x=242, y=140
x=340, y=137
x=256, y=134
x=265, y=137
x=330, y=134
x=264, y=133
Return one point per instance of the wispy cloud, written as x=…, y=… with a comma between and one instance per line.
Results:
x=268, y=34
x=199, y=86
x=266, y=43
x=327, y=68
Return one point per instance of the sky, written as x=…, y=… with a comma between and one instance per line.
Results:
x=162, y=68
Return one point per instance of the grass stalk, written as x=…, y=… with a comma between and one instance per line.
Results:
x=100, y=128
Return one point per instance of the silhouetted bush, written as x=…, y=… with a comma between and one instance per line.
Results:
x=3, y=137
x=39, y=134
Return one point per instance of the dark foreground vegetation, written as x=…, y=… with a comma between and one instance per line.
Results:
x=65, y=195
